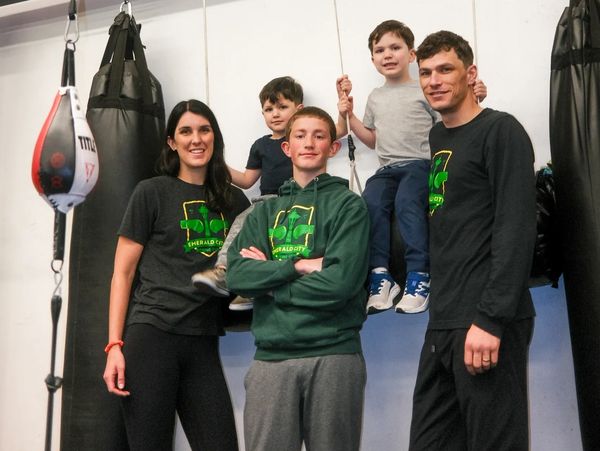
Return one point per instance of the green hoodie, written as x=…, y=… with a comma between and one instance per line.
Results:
x=314, y=314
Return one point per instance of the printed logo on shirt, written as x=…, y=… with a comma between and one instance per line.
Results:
x=437, y=179
x=205, y=229
x=291, y=232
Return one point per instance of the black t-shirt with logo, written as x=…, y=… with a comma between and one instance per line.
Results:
x=181, y=236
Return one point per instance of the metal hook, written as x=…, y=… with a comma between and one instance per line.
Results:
x=58, y=277
x=72, y=36
x=56, y=266
x=128, y=3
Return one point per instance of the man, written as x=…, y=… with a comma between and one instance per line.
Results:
x=303, y=258
x=471, y=389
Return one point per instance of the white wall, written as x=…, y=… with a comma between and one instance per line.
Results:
x=251, y=42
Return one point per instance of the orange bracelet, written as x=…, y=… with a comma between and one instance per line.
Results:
x=113, y=343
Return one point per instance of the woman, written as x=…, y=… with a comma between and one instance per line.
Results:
x=173, y=227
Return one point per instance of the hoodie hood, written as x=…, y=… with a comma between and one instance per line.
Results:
x=320, y=182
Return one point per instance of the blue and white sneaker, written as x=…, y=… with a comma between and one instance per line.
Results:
x=416, y=293
x=382, y=291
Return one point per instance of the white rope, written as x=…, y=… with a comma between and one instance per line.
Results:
x=206, y=90
x=473, y=7
x=339, y=40
x=353, y=174
x=475, y=59
x=354, y=178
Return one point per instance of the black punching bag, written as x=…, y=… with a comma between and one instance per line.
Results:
x=126, y=115
x=575, y=146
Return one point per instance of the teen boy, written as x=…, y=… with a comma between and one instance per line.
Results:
x=396, y=124
x=471, y=389
x=279, y=99
x=303, y=258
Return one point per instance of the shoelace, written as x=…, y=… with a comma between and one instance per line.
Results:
x=379, y=285
x=416, y=286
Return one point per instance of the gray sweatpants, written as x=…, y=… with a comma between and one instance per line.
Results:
x=315, y=400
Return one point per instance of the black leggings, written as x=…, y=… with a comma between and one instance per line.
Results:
x=166, y=373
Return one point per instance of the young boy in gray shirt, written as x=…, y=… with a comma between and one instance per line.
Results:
x=396, y=123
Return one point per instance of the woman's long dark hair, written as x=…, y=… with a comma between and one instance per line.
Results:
x=218, y=180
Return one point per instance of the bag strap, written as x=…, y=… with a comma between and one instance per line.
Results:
x=68, y=69
x=595, y=23
x=115, y=77
x=112, y=39
x=140, y=62
x=124, y=39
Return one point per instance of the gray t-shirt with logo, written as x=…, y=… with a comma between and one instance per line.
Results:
x=402, y=119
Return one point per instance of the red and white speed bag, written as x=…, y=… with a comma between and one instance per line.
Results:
x=65, y=161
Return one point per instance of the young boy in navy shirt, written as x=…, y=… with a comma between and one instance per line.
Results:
x=279, y=99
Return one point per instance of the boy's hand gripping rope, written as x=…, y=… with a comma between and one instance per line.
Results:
x=351, y=147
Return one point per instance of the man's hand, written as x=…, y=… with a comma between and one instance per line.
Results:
x=481, y=350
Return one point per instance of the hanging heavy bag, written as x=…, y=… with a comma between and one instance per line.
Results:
x=575, y=149
x=126, y=114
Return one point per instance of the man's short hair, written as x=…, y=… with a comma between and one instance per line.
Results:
x=444, y=41
x=286, y=87
x=312, y=111
x=395, y=27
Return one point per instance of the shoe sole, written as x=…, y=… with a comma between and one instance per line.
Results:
x=241, y=307
x=411, y=310
x=207, y=286
x=394, y=292
x=375, y=310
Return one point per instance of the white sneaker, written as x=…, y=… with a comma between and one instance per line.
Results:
x=416, y=293
x=382, y=291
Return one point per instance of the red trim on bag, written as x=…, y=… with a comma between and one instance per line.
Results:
x=39, y=145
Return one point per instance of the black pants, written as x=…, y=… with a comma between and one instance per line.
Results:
x=166, y=373
x=454, y=411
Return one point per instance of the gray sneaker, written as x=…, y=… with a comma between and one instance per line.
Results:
x=211, y=281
